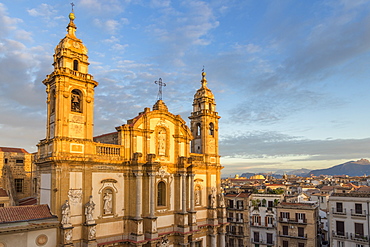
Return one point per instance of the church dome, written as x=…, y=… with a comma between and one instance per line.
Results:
x=257, y=176
x=70, y=41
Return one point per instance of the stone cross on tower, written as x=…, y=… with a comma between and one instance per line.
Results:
x=160, y=84
x=72, y=4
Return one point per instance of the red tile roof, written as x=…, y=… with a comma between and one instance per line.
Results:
x=13, y=150
x=24, y=213
x=27, y=201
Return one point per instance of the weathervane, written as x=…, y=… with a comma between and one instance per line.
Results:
x=72, y=4
x=160, y=84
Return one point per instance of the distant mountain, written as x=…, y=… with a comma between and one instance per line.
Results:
x=299, y=172
x=247, y=174
x=350, y=168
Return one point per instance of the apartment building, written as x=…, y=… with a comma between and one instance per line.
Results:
x=237, y=232
x=298, y=224
x=349, y=219
x=263, y=219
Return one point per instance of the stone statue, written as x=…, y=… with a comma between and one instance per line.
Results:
x=89, y=210
x=107, y=203
x=221, y=200
x=66, y=213
x=197, y=197
x=213, y=198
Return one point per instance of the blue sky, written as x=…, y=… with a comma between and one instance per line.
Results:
x=291, y=78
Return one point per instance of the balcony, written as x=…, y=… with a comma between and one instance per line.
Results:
x=359, y=237
x=339, y=211
x=303, y=237
x=358, y=213
x=293, y=221
x=341, y=235
x=235, y=220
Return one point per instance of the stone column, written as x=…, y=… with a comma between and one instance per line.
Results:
x=183, y=192
x=139, y=187
x=222, y=239
x=191, y=185
x=213, y=240
x=151, y=194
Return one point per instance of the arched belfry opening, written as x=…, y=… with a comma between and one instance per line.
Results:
x=75, y=65
x=76, y=101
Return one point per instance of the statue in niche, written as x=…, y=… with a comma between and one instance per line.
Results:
x=162, y=142
x=197, y=196
x=107, y=202
x=66, y=213
x=75, y=101
x=89, y=210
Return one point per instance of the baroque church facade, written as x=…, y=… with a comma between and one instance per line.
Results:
x=152, y=182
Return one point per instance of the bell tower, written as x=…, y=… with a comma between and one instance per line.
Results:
x=204, y=121
x=70, y=91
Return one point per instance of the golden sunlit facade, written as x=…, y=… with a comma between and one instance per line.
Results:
x=152, y=182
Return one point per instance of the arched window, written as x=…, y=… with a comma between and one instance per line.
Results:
x=52, y=101
x=210, y=106
x=211, y=129
x=198, y=129
x=75, y=65
x=76, y=101
x=199, y=107
x=107, y=201
x=161, y=194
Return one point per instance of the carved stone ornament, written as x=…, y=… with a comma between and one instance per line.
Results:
x=162, y=172
x=221, y=200
x=68, y=236
x=75, y=195
x=213, y=198
x=164, y=242
x=92, y=233
x=41, y=240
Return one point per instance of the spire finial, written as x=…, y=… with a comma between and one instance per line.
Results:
x=204, y=80
x=160, y=84
x=72, y=14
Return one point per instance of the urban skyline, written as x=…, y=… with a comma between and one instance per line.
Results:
x=289, y=77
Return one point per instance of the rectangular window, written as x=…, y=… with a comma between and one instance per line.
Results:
x=18, y=183
x=285, y=230
x=340, y=228
x=240, y=204
x=19, y=161
x=35, y=185
x=359, y=230
x=231, y=203
x=270, y=204
x=240, y=217
x=240, y=243
x=339, y=207
x=285, y=215
x=231, y=242
x=1, y=205
x=256, y=236
x=358, y=208
x=6, y=161
x=270, y=220
x=300, y=216
x=300, y=244
x=269, y=238
x=301, y=232
x=285, y=243
x=340, y=244
x=241, y=230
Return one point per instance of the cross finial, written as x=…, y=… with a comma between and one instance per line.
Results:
x=160, y=84
x=72, y=4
